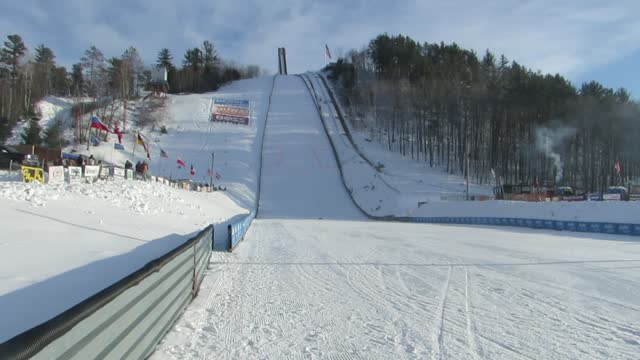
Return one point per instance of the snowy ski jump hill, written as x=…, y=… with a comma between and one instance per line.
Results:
x=346, y=287
x=315, y=277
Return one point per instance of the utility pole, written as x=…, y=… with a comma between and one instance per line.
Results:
x=211, y=174
x=467, y=169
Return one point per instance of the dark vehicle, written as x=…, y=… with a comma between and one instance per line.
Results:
x=9, y=154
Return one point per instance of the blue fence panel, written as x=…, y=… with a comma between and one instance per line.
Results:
x=576, y=226
x=240, y=227
x=582, y=226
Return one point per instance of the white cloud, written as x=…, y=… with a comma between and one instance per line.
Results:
x=569, y=37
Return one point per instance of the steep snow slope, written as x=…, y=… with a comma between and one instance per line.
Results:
x=300, y=178
x=49, y=109
x=192, y=137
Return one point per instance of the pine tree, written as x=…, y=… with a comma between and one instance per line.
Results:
x=12, y=52
x=77, y=80
x=60, y=81
x=53, y=135
x=44, y=67
x=93, y=64
x=10, y=56
x=31, y=134
x=209, y=55
x=5, y=129
x=193, y=59
x=165, y=59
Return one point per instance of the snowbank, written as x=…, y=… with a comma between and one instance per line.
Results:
x=61, y=244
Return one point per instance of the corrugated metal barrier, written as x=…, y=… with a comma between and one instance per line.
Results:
x=125, y=320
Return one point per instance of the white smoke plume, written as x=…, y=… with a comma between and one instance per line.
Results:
x=547, y=139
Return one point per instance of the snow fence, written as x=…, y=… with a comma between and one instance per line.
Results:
x=239, y=230
x=125, y=320
x=351, y=160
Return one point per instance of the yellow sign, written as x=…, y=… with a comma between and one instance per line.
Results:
x=30, y=174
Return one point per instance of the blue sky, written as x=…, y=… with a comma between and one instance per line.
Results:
x=581, y=39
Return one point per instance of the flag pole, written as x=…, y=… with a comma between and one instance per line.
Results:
x=211, y=174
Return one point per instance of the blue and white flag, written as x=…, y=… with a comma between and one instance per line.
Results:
x=118, y=146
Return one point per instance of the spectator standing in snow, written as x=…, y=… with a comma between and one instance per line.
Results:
x=139, y=169
x=145, y=170
x=128, y=165
x=91, y=160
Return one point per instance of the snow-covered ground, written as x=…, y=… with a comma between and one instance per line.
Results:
x=375, y=290
x=193, y=138
x=308, y=288
x=49, y=109
x=61, y=244
x=353, y=289
x=300, y=177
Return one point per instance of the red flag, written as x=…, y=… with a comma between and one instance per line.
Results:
x=181, y=163
x=326, y=51
x=192, y=171
x=617, y=167
x=163, y=154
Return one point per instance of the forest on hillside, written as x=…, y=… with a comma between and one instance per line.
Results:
x=28, y=75
x=452, y=109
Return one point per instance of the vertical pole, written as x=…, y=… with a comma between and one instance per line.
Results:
x=467, y=169
x=211, y=174
x=284, y=60
x=124, y=118
x=279, y=62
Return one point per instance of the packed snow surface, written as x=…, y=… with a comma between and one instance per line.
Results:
x=300, y=177
x=61, y=244
x=375, y=290
x=353, y=289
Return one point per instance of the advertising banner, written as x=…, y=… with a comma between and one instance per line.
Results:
x=91, y=171
x=30, y=174
x=56, y=175
x=74, y=173
x=118, y=172
x=231, y=111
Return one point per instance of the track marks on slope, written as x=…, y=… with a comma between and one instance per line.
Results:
x=471, y=329
x=438, y=338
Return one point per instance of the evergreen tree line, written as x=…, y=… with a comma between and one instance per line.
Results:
x=27, y=76
x=443, y=105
